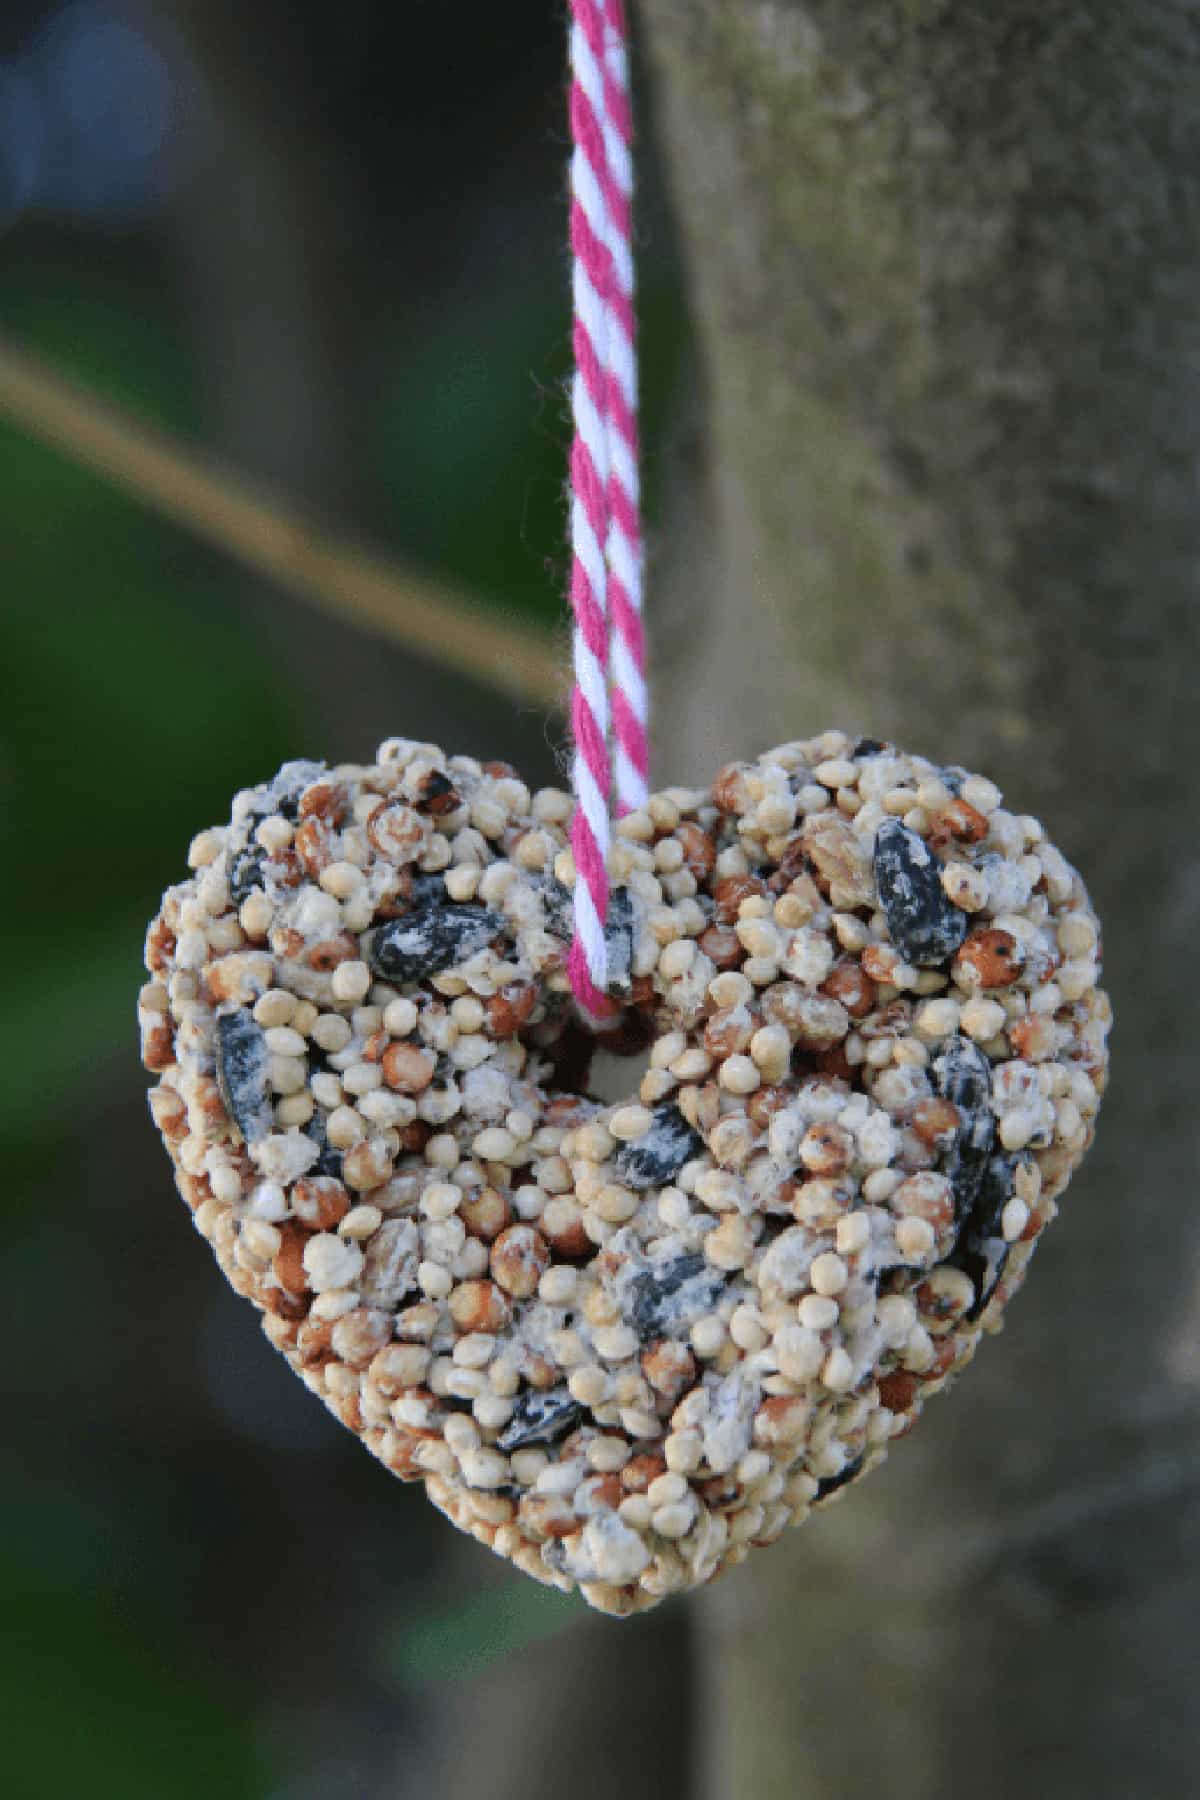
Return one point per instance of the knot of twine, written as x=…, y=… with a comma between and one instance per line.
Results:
x=609, y=694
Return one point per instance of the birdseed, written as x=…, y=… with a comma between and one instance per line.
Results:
x=622, y=1344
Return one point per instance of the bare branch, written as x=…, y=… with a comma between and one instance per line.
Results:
x=271, y=538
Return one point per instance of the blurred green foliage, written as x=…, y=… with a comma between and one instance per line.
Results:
x=456, y=1640
x=125, y=725
x=471, y=414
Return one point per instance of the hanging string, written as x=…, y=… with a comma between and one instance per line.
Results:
x=623, y=547
x=606, y=585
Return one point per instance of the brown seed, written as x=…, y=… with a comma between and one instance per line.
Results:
x=401, y=1457
x=281, y=1332
x=367, y=1165
x=288, y=1263
x=208, y=1105
x=520, y=1257
x=722, y=945
x=959, y=820
x=565, y=1110
x=287, y=870
x=485, y=1213
x=729, y=1031
x=437, y=794
x=160, y=946
x=360, y=1335
x=836, y=1062
x=414, y=1137
x=399, y=900
x=388, y=1370
x=892, y=1020
x=599, y=1493
x=729, y=788
x=408, y=1068
x=319, y=1202
x=169, y=1113
x=509, y=1009
x=397, y=832
x=946, y=1353
x=990, y=958
x=669, y=1367
x=562, y=1226
x=721, y=1492
x=332, y=951
x=158, y=1046
x=349, y=1410
x=640, y=1471
x=782, y=1419
x=766, y=1101
x=699, y=851
x=793, y=862
x=479, y=1306
x=1033, y=1038
x=898, y=1390
x=880, y=962
x=848, y=982
x=934, y=1120
x=312, y=846
x=729, y=893
x=925, y=1196
x=324, y=800
x=539, y=1372
x=826, y=1149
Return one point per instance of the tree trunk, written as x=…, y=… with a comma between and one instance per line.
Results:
x=943, y=263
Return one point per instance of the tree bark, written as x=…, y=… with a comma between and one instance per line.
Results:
x=944, y=268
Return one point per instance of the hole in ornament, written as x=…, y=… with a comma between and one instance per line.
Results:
x=613, y=1078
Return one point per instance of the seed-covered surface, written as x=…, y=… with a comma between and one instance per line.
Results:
x=624, y=1344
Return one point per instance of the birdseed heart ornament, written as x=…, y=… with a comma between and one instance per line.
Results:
x=622, y=1344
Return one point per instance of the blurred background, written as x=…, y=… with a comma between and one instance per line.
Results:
x=326, y=246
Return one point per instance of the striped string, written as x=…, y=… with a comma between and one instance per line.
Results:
x=606, y=549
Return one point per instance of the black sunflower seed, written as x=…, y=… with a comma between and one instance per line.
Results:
x=431, y=937
x=925, y=926
x=666, y=1300
x=831, y=1483
x=657, y=1157
x=962, y=1075
x=246, y=872
x=243, y=1073
x=540, y=1417
x=981, y=1250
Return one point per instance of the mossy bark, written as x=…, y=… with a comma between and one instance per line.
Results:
x=944, y=267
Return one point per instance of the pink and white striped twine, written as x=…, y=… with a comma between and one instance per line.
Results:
x=609, y=694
